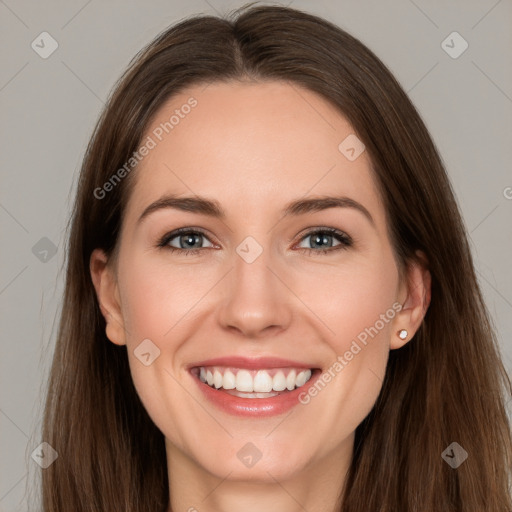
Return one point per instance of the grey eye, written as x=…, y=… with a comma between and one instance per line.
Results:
x=189, y=240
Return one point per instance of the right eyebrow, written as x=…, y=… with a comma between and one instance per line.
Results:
x=197, y=204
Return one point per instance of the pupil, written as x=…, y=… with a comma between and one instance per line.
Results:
x=189, y=239
x=321, y=240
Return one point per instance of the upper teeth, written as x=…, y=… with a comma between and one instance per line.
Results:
x=257, y=380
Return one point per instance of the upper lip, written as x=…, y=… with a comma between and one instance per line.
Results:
x=251, y=363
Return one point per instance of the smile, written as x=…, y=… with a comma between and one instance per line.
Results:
x=254, y=383
x=254, y=388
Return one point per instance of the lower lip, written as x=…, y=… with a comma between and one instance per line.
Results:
x=255, y=407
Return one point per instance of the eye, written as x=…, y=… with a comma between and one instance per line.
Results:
x=185, y=240
x=189, y=241
x=322, y=241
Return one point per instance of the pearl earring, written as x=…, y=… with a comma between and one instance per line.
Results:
x=402, y=334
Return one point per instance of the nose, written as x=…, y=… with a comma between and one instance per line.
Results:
x=258, y=303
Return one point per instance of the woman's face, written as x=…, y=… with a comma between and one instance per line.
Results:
x=261, y=278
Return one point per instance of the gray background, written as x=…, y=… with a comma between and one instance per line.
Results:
x=49, y=107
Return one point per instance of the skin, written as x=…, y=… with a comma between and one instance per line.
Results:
x=254, y=147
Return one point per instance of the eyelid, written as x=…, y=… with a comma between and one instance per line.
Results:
x=322, y=229
x=167, y=237
x=345, y=240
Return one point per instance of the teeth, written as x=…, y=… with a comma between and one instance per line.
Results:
x=244, y=381
x=251, y=395
x=217, y=379
x=279, y=381
x=290, y=381
x=260, y=381
x=229, y=381
x=301, y=379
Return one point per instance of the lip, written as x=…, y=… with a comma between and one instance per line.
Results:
x=253, y=407
x=258, y=363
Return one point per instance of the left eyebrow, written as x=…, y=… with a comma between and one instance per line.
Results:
x=212, y=208
x=316, y=204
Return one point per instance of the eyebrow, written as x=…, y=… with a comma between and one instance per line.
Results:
x=212, y=208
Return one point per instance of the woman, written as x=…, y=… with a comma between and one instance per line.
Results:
x=270, y=298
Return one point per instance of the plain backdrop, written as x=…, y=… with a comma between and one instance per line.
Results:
x=50, y=104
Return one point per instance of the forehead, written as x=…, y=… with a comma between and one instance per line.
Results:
x=257, y=143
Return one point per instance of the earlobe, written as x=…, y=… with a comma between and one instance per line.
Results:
x=107, y=294
x=418, y=293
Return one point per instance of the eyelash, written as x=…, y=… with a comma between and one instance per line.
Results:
x=344, y=239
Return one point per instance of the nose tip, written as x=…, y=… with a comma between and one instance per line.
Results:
x=254, y=327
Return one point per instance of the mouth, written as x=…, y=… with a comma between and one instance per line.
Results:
x=245, y=383
x=255, y=388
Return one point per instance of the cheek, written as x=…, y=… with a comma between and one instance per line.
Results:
x=357, y=307
x=157, y=305
x=352, y=315
x=159, y=301
x=352, y=299
x=159, y=296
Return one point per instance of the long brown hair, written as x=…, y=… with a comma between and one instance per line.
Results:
x=446, y=385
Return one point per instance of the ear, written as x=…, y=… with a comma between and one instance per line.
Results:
x=105, y=284
x=414, y=295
